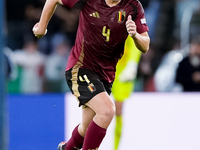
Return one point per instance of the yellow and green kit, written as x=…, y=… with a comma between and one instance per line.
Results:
x=123, y=85
x=122, y=90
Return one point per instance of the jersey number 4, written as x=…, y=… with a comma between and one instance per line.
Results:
x=106, y=33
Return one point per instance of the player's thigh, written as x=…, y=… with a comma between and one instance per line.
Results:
x=102, y=104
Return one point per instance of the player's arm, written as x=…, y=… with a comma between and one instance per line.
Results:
x=40, y=28
x=142, y=40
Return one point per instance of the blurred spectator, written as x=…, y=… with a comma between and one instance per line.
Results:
x=147, y=66
x=60, y=23
x=165, y=24
x=19, y=27
x=188, y=71
x=15, y=17
x=161, y=22
x=31, y=62
x=20, y=24
x=165, y=74
x=56, y=63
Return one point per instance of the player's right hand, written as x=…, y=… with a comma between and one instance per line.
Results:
x=38, y=32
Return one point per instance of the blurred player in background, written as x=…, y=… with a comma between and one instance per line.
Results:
x=123, y=85
x=188, y=71
x=104, y=26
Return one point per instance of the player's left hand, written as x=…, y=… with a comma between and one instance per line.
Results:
x=131, y=27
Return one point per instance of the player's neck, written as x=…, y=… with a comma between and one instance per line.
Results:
x=112, y=2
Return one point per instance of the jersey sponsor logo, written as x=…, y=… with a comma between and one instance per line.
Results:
x=121, y=16
x=95, y=14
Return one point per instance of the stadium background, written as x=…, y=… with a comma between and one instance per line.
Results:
x=161, y=114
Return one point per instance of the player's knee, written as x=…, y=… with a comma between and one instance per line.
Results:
x=82, y=129
x=108, y=113
x=112, y=112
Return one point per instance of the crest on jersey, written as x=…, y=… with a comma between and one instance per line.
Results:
x=121, y=16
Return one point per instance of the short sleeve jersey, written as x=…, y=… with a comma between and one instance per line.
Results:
x=102, y=33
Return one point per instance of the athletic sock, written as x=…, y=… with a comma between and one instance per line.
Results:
x=118, y=131
x=76, y=140
x=93, y=137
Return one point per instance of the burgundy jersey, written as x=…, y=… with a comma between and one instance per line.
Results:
x=102, y=33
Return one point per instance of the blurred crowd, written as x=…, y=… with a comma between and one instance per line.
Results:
x=37, y=65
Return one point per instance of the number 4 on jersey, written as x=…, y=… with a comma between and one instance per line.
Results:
x=106, y=34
